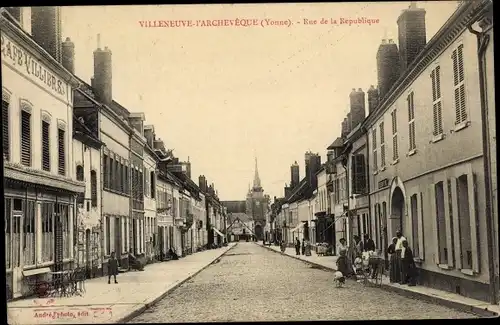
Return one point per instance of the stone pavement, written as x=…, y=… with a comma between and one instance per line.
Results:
x=114, y=303
x=420, y=292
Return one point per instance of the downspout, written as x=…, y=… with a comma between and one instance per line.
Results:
x=482, y=43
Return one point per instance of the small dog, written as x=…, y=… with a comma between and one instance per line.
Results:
x=338, y=279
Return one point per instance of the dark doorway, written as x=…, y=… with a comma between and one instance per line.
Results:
x=397, y=210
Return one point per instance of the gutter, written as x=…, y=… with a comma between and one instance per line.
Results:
x=482, y=43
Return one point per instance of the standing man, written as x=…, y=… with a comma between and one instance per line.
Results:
x=112, y=267
x=297, y=246
x=369, y=244
x=399, y=255
x=303, y=246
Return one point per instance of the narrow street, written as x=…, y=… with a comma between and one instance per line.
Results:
x=250, y=283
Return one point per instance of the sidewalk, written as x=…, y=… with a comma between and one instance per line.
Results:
x=419, y=292
x=114, y=303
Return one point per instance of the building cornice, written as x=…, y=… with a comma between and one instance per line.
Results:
x=34, y=176
x=445, y=36
x=9, y=26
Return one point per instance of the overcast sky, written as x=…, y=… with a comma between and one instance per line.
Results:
x=222, y=95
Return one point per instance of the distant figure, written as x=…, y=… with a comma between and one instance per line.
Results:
x=393, y=262
x=133, y=262
x=303, y=246
x=408, y=270
x=172, y=255
x=369, y=244
x=342, y=263
x=341, y=246
x=112, y=267
x=399, y=254
x=358, y=246
x=297, y=246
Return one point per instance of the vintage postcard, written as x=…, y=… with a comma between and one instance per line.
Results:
x=249, y=162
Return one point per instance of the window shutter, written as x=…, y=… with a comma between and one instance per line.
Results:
x=62, y=151
x=438, y=82
x=25, y=138
x=395, y=147
x=463, y=109
x=474, y=222
x=448, y=214
x=456, y=223
x=433, y=81
x=460, y=62
x=382, y=138
x=354, y=172
x=5, y=129
x=455, y=67
x=421, y=231
x=46, y=146
x=432, y=199
x=93, y=187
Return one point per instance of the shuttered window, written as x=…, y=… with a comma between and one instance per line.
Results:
x=382, y=145
x=411, y=122
x=61, y=141
x=126, y=178
x=111, y=173
x=25, y=138
x=153, y=185
x=79, y=173
x=374, y=142
x=45, y=146
x=459, y=85
x=395, y=151
x=93, y=187
x=437, y=110
x=5, y=129
x=120, y=177
x=105, y=168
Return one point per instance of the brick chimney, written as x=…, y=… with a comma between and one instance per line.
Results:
x=357, y=104
x=202, y=183
x=68, y=55
x=102, y=81
x=46, y=29
x=372, y=99
x=411, y=33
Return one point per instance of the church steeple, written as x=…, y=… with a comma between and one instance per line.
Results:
x=256, y=178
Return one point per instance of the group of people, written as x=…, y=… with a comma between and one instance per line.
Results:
x=359, y=247
x=402, y=267
x=305, y=248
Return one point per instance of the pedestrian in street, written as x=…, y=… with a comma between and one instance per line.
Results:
x=341, y=246
x=368, y=244
x=303, y=246
x=342, y=263
x=358, y=246
x=408, y=270
x=297, y=246
x=112, y=267
x=399, y=253
x=393, y=261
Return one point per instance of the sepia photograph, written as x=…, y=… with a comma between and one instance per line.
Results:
x=261, y=162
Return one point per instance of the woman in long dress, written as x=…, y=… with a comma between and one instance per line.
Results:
x=394, y=271
x=408, y=266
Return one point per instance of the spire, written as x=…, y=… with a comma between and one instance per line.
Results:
x=256, y=179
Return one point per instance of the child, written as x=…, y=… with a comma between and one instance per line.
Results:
x=112, y=267
x=342, y=263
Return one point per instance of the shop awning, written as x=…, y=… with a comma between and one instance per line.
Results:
x=218, y=232
x=299, y=226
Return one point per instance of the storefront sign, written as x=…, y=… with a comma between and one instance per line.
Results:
x=31, y=67
x=383, y=183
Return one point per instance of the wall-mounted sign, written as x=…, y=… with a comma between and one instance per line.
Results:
x=383, y=183
x=26, y=64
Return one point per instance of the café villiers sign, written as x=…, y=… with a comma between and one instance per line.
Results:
x=29, y=66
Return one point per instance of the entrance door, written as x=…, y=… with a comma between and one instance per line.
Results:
x=17, y=262
x=88, y=259
x=160, y=241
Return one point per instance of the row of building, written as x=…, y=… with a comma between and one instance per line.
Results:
x=83, y=176
x=423, y=160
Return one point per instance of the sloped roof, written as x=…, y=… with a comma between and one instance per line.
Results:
x=81, y=131
x=338, y=143
x=235, y=206
x=303, y=191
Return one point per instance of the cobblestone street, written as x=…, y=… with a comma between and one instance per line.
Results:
x=251, y=283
